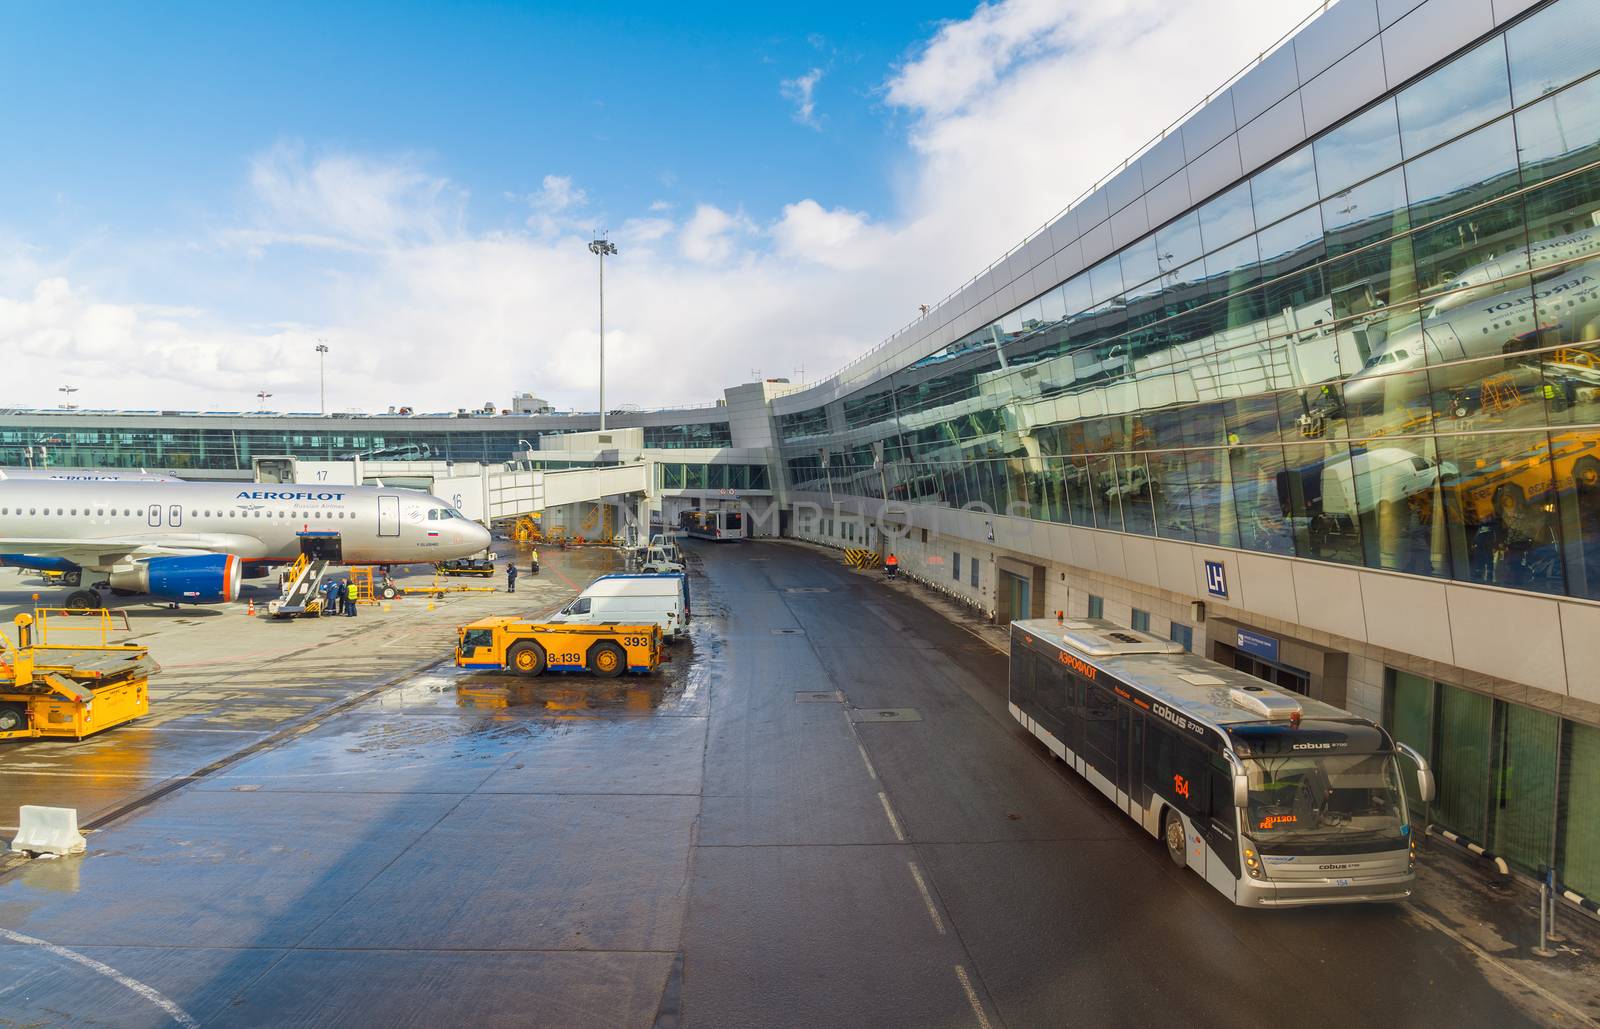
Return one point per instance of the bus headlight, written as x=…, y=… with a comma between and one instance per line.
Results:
x=1251, y=863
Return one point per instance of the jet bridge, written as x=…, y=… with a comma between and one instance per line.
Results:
x=485, y=493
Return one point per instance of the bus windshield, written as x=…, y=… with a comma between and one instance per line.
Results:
x=1334, y=798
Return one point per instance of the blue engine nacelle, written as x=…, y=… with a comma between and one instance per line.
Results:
x=201, y=579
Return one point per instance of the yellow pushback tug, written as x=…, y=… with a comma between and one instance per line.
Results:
x=517, y=645
x=63, y=691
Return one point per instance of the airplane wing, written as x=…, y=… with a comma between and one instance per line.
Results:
x=108, y=553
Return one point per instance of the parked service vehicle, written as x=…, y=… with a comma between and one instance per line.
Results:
x=631, y=598
x=479, y=566
x=515, y=645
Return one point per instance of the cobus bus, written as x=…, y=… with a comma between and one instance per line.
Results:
x=716, y=524
x=1273, y=798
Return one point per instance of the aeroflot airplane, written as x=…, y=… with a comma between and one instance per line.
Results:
x=189, y=542
x=1487, y=327
x=87, y=475
x=1483, y=279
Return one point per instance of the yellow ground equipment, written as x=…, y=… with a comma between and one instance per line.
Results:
x=69, y=691
x=514, y=645
x=526, y=529
x=479, y=566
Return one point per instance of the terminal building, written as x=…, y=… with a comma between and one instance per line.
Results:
x=1311, y=385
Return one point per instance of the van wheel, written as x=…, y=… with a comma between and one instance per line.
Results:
x=1176, y=839
x=12, y=718
x=526, y=658
x=607, y=660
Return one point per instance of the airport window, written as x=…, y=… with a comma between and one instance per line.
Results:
x=955, y=566
x=1140, y=620
x=1182, y=634
x=1097, y=606
x=974, y=564
x=1510, y=777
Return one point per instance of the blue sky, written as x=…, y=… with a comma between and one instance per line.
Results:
x=140, y=117
x=192, y=195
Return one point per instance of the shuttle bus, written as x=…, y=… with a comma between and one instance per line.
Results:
x=715, y=524
x=1275, y=799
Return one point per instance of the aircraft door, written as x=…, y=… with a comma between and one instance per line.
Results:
x=388, y=516
x=153, y=517
x=174, y=516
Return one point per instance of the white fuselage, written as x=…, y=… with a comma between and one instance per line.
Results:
x=95, y=522
x=1494, y=326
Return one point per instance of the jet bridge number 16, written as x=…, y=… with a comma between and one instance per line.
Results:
x=514, y=645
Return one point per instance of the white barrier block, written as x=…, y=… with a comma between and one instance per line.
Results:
x=48, y=830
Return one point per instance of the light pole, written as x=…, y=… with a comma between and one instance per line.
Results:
x=600, y=248
x=68, y=390
x=322, y=374
x=262, y=398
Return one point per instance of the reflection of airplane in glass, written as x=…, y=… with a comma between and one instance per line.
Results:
x=1482, y=279
x=1488, y=327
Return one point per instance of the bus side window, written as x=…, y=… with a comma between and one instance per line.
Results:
x=1219, y=779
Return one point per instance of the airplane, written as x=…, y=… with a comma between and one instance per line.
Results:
x=1483, y=279
x=87, y=475
x=191, y=543
x=1493, y=326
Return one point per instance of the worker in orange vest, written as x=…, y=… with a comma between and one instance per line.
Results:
x=891, y=565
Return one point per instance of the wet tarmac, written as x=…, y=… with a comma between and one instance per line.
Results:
x=718, y=845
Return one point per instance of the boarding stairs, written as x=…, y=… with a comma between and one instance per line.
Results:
x=303, y=594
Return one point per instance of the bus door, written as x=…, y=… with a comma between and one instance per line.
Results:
x=1219, y=824
x=1133, y=765
x=1124, y=762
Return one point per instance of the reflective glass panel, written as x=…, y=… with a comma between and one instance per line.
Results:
x=1360, y=148
x=1228, y=217
x=1552, y=48
x=1455, y=99
x=1463, y=174
x=1560, y=132
x=1285, y=187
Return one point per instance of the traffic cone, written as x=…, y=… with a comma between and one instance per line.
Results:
x=251, y=610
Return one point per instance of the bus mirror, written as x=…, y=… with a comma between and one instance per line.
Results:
x=1425, y=784
x=1241, y=790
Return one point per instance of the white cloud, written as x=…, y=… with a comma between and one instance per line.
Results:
x=344, y=200
x=1011, y=113
x=801, y=91
x=711, y=235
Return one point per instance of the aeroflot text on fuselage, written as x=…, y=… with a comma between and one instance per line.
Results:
x=276, y=495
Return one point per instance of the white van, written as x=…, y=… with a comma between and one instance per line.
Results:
x=630, y=600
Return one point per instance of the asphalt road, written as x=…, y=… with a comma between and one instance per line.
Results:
x=739, y=842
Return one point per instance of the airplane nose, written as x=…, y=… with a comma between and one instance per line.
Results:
x=478, y=536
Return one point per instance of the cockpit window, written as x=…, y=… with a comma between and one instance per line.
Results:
x=433, y=515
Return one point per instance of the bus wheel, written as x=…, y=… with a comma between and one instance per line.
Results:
x=1176, y=839
x=607, y=660
x=527, y=658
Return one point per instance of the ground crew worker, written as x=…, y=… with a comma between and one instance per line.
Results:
x=350, y=599
x=534, y=554
x=511, y=577
x=332, y=602
x=891, y=565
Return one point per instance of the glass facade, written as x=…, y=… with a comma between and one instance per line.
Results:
x=1381, y=350
x=1515, y=779
x=673, y=475
x=109, y=442
x=701, y=435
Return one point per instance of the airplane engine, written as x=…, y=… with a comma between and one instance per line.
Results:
x=200, y=579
